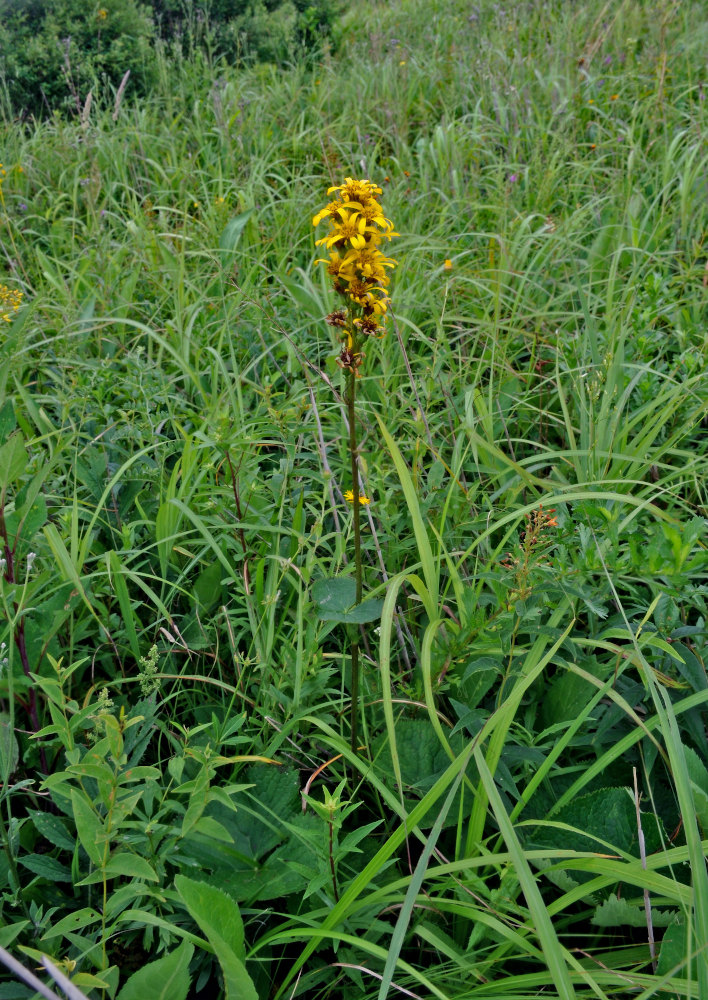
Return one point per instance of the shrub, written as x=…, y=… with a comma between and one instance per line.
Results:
x=53, y=54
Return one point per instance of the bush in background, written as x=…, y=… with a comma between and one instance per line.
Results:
x=53, y=54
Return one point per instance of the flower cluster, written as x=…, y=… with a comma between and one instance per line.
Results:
x=356, y=264
x=10, y=302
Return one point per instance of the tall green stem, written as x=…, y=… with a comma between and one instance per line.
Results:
x=351, y=408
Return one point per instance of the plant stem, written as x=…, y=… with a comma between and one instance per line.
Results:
x=351, y=401
x=332, y=868
x=17, y=623
x=351, y=408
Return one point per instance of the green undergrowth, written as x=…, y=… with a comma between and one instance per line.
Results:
x=526, y=815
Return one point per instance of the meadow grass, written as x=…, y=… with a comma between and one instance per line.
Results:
x=526, y=810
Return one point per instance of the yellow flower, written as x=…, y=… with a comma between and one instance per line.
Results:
x=10, y=302
x=372, y=212
x=329, y=211
x=353, y=190
x=102, y=14
x=370, y=263
x=349, y=497
x=447, y=266
x=348, y=228
x=357, y=267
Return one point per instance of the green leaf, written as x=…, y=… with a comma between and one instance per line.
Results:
x=13, y=459
x=335, y=602
x=675, y=952
x=9, y=749
x=197, y=801
x=478, y=678
x=215, y=912
x=121, y=864
x=74, y=922
x=11, y=931
x=31, y=517
x=619, y=912
x=697, y=771
x=88, y=826
x=219, y=918
x=126, y=608
x=422, y=759
x=334, y=595
x=46, y=867
x=567, y=694
x=8, y=422
x=130, y=865
x=166, y=979
x=229, y=239
x=207, y=586
x=212, y=828
x=368, y=611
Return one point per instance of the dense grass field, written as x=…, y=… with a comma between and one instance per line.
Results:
x=524, y=811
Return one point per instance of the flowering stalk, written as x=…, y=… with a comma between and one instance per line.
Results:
x=358, y=270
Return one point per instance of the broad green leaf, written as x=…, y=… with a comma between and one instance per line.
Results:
x=215, y=912
x=8, y=422
x=166, y=979
x=697, y=771
x=616, y=911
x=121, y=864
x=46, y=867
x=606, y=816
x=9, y=749
x=675, y=953
x=88, y=826
x=73, y=922
x=30, y=518
x=334, y=595
x=130, y=865
x=219, y=918
x=209, y=827
x=13, y=459
x=197, y=801
x=207, y=586
x=422, y=759
x=335, y=602
x=229, y=239
x=11, y=931
x=566, y=696
x=478, y=678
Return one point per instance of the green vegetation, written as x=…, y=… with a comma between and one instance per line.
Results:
x=55, y=55
x=526, y=811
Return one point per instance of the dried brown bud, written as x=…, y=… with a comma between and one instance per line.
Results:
x=337, y=318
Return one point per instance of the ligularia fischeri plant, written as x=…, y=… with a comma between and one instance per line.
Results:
x=360, y=274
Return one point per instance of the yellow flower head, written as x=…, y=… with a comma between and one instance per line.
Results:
x=352, y=190
x=10, y=302
x=356, y=265
x=349, y=497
